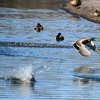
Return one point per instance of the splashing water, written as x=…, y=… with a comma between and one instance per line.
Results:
x=24, y=74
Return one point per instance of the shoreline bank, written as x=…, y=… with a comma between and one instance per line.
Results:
x=86, y=10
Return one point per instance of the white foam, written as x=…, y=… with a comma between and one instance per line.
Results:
x=22, y=73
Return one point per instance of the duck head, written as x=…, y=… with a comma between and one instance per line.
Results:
x=93, y=39
x=58, y=34
x=38, y=24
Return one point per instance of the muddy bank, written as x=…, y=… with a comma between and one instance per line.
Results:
x=86, y=9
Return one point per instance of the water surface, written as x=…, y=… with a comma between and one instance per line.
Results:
x=61, y=72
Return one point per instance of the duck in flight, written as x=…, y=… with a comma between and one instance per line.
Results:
x=80, y=46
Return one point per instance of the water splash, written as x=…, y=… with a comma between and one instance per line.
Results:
x=44, y=67
x=24, y=74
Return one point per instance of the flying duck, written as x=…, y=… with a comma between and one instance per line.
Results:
x=80, y=46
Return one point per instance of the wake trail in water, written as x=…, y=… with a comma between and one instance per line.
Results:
x=38, y=45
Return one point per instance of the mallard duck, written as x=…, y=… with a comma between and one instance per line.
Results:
x=32, y=79
x=96, y=13
x=80, y=46
x=76, y=3
x=59, y=37
x=38, y=27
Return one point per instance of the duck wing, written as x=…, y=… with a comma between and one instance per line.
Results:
x=79, y=43
x=75, y=46
x=80, y=46
x=93, y=47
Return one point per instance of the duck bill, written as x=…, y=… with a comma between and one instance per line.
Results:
x=96, y=39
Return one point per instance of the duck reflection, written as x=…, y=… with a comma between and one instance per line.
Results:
x=82, y=81
x=83, y=74
x=85, y=69
x=74, y=18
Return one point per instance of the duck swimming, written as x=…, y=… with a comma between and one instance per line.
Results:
x=80, y=46
x=32, y=79
x=38, y=27
x=96, y=13
x=59, y=37
x=76, y=3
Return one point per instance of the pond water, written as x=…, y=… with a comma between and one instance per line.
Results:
x=59, y=70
